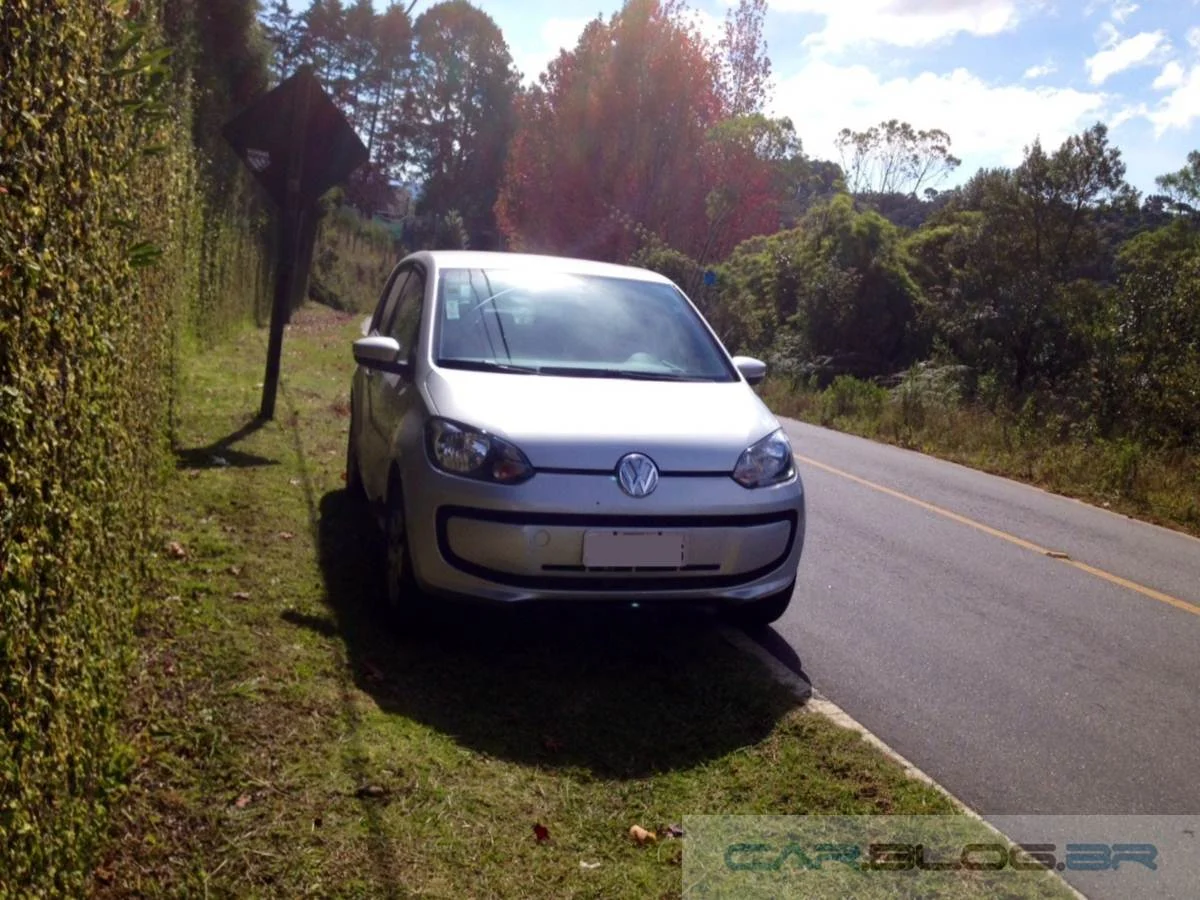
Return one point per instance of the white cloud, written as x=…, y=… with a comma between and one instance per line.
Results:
x=1139, y=50
x=989, y=124
x=1179, y=108
x=903, y=23
x=1171, y=76
x=555, y=34
x=1122, y=10
x=1193, y=38
x=1125, y=114
x=1040, y=71
x=1108, y=35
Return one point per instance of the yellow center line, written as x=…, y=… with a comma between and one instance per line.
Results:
x=1011, y=538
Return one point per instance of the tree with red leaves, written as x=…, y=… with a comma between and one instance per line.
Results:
x=625, y=132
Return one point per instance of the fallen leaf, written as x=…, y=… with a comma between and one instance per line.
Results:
x=235, y=570
x=1056, y=554
x=370, y=791
x=176, y=550
x=286, y=535
x=641, y=836
x=242, y=802
x=294, y=482
x=671, y=831
x=588, y=865
x=541, y=833
x=241, y=595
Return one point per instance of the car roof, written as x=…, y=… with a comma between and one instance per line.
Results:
x=486, y=259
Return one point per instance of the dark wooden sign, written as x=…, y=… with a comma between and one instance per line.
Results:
x=297, y=144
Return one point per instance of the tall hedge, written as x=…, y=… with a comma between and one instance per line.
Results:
x=102, y=231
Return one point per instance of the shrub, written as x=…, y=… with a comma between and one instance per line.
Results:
x=848, y=397
x=103, y=261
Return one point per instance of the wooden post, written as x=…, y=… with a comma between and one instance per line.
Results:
x=306, y=243
x=289, y=249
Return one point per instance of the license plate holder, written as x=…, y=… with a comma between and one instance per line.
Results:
x=616, y=549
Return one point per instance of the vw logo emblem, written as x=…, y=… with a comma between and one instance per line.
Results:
x=637, y=475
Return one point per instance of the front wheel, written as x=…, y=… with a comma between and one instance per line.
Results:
x=762, y=611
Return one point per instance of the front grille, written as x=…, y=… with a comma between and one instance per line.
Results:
x=579, y=578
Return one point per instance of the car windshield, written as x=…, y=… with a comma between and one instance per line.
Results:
x=587, y=326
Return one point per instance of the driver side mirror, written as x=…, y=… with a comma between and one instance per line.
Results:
x=753, y=370
x=381, y=354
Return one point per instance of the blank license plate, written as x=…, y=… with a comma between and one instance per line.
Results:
x=625, y=549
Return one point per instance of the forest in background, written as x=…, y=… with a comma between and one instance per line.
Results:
x=1050, y=299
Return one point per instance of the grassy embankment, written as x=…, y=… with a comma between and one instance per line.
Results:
x=1157, y=485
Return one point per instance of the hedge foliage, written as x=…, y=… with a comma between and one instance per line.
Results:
x=108, y=255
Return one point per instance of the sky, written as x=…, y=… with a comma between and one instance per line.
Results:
x=993, y=74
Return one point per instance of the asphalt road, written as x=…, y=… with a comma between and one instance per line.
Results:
x=928, y=608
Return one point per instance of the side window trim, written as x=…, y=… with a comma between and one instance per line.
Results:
x=382, y=312
x=416, y=275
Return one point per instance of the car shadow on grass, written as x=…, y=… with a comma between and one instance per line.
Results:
x=613, y=691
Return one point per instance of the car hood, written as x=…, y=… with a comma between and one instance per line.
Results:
x=589, y=423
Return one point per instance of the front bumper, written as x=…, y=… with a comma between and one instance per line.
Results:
x=525, y=542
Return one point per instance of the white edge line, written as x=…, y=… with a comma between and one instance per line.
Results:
x=814, y=702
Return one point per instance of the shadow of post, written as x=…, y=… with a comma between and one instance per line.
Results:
x=221, y=453
x=616, y=692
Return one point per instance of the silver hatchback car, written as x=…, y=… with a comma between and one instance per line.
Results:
x=540, y=428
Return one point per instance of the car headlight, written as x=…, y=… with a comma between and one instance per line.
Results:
x=769, y=461
x=471, y=453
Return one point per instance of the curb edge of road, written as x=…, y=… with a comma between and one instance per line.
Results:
x=814, y=702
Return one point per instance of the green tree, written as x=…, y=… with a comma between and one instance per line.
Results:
x=838, y=285
x=1184, y=186
x=460, y=104
x=285, y=31
x=1155, y=332
x=1006, y=266
x=323, y=45
x=383, y=90
x=894, y=158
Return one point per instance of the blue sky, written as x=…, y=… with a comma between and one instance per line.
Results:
x=994, y=74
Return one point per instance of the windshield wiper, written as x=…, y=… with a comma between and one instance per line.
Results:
x=632, y=374
x=485, y=365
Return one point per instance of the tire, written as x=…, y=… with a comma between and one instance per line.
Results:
x=763, y=611
x=354, y=482
x=405, y=601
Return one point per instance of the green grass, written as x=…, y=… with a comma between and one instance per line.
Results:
x=351, y=262
x=1160, y=486
x=287, y=743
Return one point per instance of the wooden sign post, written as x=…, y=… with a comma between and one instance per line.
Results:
x=298, y=145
